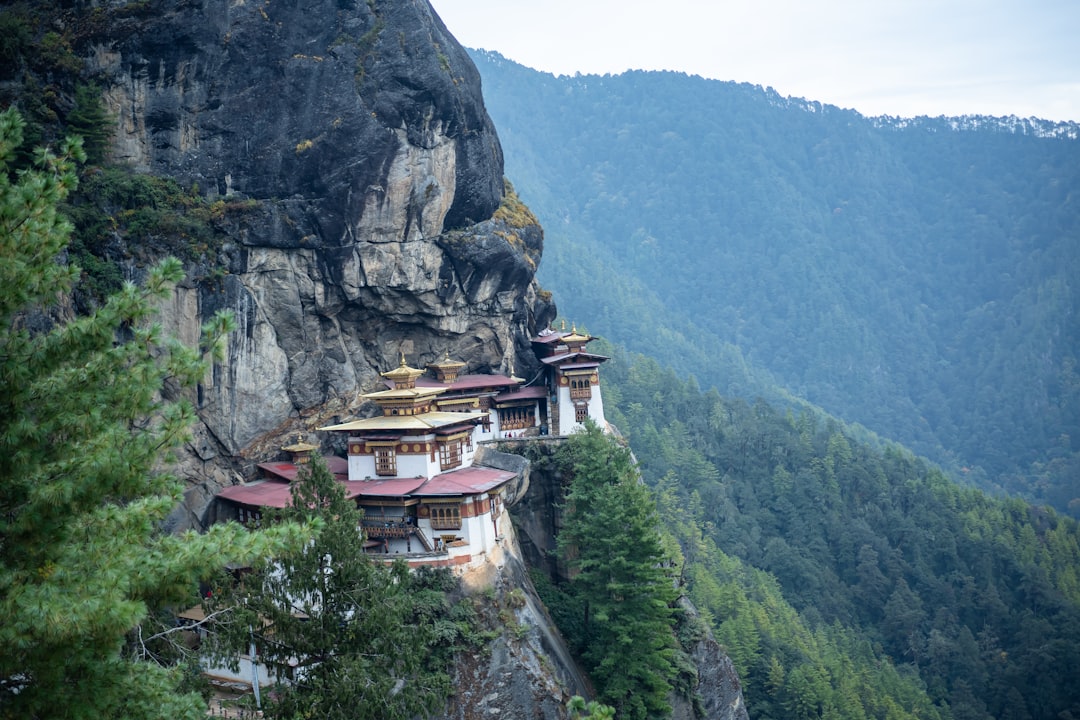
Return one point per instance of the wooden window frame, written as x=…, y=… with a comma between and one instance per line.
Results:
x=580, y=388
x=445, y=517
x=385, y=461
x=450, y=454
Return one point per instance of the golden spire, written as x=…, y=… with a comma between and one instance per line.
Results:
x=446, y=369
x=403, y=376
x=299, y=448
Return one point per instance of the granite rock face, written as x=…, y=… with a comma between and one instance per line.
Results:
x=356, y=133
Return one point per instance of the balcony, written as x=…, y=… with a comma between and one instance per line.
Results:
x=385, y=528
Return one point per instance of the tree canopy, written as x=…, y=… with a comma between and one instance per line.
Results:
x=849, y=579
x=914, y=276
x=620, y=577
x=343, y=635
x=89, y=409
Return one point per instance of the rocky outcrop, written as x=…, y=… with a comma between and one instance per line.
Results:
x=526, y=670
x=355, y=136
x=366, y=117
x=718, y=692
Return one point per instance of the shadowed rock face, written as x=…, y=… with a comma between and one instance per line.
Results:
x=358, y=129
x=366, y=116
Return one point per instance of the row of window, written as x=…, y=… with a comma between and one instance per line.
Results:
x=449, y=457
x=446, y=517
x=580, y=389
x=517, y=418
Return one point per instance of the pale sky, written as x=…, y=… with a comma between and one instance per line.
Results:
x=880, y=57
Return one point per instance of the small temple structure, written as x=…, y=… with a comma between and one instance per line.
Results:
x=410, y=468
x=573, y=376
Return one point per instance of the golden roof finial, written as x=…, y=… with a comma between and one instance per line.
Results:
x=564, y=324
x=300, y=446
x=403, y=376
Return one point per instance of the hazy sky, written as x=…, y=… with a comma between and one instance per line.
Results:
x=880, y=57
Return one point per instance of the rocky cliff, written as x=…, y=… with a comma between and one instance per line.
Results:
x=376, y=221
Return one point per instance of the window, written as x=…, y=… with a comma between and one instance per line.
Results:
x=251, y=518
x=516, y=418
x=450, y=454
x=581, y=413
x=385, y=461
x=580, y=389
x=445, y=517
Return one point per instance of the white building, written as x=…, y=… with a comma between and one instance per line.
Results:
x=573, y=379
x=411, y=469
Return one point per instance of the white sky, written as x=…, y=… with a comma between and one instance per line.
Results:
x=880, y=57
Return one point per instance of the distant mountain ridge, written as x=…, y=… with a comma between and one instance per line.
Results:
x=914, y=276
x=1032, y=126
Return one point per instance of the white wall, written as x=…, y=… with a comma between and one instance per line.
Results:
x=567, y=421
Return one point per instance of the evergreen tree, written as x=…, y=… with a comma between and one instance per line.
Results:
x=611, y=541
x=89, y=121
x=84, y=421
x=343, y=635
x=592, y=710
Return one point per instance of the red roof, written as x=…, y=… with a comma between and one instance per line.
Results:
x=270, y=493
x=276, y=493
x=391, y=487
x=467, y=481
x=550, y=337
x=533, y=392
x=288, y=471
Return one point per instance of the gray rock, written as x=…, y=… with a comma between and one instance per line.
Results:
x=357, y=132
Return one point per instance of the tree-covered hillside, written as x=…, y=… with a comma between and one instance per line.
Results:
x=915, y=277
x=850, y=581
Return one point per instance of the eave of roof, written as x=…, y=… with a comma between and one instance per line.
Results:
x=564, y=357
x=533, y=392
x=425, y=421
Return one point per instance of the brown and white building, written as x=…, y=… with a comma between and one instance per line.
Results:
x=410, y=468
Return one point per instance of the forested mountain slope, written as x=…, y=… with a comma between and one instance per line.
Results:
x=843, y=578
x=915, y=277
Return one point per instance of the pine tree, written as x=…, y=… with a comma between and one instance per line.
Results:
x=611, y=541
x=592, y=710
x=83, y=425
x=89, y=121
x=344, y=635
